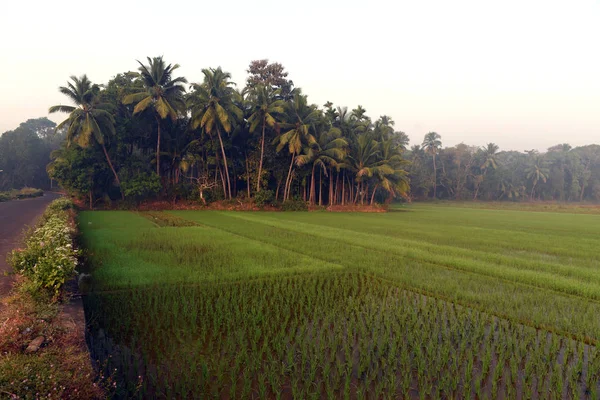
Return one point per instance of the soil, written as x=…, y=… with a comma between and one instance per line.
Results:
x=15, y=216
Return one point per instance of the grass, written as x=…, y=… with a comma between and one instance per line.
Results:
x=334, y=297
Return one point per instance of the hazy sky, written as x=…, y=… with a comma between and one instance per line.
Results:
x=523, y=74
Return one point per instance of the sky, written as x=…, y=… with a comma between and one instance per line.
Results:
x=524, y=74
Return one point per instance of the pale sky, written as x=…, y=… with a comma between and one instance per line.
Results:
x=521, y=73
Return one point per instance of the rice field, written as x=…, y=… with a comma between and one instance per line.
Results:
x=428, y=301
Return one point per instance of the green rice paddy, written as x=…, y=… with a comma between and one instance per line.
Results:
x=429, y=301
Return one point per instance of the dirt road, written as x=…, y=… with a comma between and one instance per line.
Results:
x=14, y=217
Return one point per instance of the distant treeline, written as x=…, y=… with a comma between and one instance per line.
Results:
x=25, y=153
x=150, y=133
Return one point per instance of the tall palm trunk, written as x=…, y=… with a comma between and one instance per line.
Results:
x=343, y=188
x=320, y=185
x=248, y=175
x=373, y=195
x=262, y=154
x=219, y=173
x=330, y=186
x=225, y=164
x=110, y=164
x=158, y=146
x=288, y=181
x=311, y=198
x=434, y=178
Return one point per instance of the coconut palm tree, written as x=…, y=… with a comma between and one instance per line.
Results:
x=432, y=144
x=365, y=160
x=214, y=109
x=327, y=154
x=162, y=93
x=488, y=156
x=536, y=171
x=88, y=121
x=265, y=107
x=301, y=119
x=390, y=173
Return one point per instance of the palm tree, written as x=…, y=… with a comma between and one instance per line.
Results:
x=265, y=106
x=364, y=160
x=329, y=152
x=301, y=119
x=432, y=144
x=162, y=93
x=214, y=109
x=536, y=171
x=489, y=157
x=390, y=173
x=88, y=121
x=489, y=161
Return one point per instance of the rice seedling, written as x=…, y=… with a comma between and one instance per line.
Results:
x=274, y=305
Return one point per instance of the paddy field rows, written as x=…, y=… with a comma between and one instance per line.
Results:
x=421, y=302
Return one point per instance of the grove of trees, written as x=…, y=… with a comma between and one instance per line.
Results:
x=151, y=134
x=25, y=152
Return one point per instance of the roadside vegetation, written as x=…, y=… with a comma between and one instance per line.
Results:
x=345, y=301
x=42, y=353
x=24, y=193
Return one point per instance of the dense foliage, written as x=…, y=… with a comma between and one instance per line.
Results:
x=49, y=258
x=438, y=302
x=148, y=133
x=466, y=172
x=25, y=152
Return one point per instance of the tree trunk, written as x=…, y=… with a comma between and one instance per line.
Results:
x=336, y=193
x=434, y=178
x=532, y=189
x=110, y=164
x=343, y=188
x=583, y=183
x=288, y=181
x=158, y=147
x=220, y=174
x=248, y=175
x=91, y=200
x=311, y=198
x=225, y=164
x=262, y=154
x=277, y=191
x=373, y=195
x=330, y=186
x=320, y=185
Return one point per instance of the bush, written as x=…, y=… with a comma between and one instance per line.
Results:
x=27, y=192
x=140, y=185
x=49, y=259
x=294, y=205
x=24, y=193
x=57, y=205
x=264, y=197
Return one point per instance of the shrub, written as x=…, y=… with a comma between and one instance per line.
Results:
x=294, y=205
x=24, y=193
x=264, y=197
x=49, y=259
x=61, y=204
x=28, y=192
x=140, y=185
